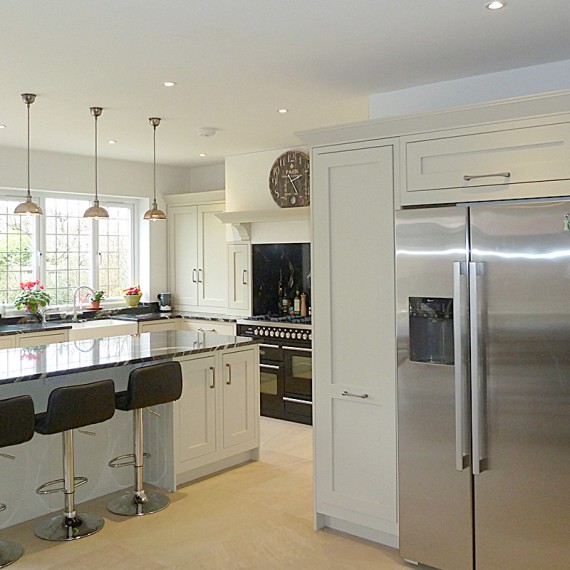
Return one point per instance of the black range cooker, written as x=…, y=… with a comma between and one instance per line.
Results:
x=285, y=365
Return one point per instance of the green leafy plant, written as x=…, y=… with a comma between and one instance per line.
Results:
x=31, y=296
x=98, y=295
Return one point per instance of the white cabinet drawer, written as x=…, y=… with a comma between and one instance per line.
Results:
x=40, y=338
x=454, y=166
x=159, y=326
x=215, y=327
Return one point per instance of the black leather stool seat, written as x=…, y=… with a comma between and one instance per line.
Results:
x=16, y=426
x=16, y=420
x=150, y=386
x=72, y=407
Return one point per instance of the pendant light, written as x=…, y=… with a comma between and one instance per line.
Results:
x=96, y=211
x=28, y=207
x=154, y=213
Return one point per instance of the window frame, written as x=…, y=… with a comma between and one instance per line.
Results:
x=39, y=242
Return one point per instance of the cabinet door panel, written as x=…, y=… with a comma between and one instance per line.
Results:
x=212, y=257
x=239, y=398
x=183, y=258
x=197, y=409
x=239, y=283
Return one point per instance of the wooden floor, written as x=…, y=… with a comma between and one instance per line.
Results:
x=257, y=516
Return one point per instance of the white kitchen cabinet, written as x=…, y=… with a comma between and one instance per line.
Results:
x=354, y=374
x=491, y=162
x=217, y=418
x=159, y=325
x=208, y=326
x=197, y=255
x=239, y=273
x=39, y=338
x=7, y=341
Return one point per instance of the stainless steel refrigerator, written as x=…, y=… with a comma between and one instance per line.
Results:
x=484, y=385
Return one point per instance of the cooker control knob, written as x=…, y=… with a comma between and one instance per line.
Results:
x=271, y=333
x=282, y=334
x=287, y=334
x=304, y=336
x=255, y=331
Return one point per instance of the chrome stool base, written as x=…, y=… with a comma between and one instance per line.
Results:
x=56, y=528
x=9, y=552
x=130, y=505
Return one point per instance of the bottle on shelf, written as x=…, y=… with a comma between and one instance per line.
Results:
x=303, y=304
x=297, y=304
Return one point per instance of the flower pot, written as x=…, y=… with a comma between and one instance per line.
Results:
x=95, y=305
x=132, y=300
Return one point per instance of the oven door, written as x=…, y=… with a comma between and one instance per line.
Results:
x=272, y=379
x=298, y=364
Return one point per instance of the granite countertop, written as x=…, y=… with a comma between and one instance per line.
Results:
x=176, y=315
x=21, y=328
x=32, y=363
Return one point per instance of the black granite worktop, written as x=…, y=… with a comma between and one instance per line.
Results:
x=155, y=316
x=32, y=363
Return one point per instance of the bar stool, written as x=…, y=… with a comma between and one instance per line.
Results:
x=16, y=426
x=148, y=386
x=69, y=408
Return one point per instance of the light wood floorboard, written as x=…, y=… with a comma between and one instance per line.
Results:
x=256, y=516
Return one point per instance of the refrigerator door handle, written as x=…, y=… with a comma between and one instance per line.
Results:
x=462, y=458
x=477, y=419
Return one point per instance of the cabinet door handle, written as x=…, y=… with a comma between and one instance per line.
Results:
x=213, y=369
x=243, y=279
x=297, y=401
x=200, y=276
x=345, y=393
x=270, y=366
x=468, y=177
x=229, y=367
x=194, y=274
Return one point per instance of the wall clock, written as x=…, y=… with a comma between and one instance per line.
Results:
x=289, y=179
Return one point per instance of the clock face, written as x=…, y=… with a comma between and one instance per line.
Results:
x=289, y=180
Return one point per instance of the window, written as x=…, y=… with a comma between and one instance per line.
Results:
x=65, y=250
x=16, y=250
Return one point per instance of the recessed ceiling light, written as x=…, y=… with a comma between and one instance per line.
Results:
x=203, y=154
x=496, y=5
x=282, y=111
x=2, y=126
x=169, y=83
x=112, y=142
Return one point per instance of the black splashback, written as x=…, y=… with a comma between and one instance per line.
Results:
x=279, y=270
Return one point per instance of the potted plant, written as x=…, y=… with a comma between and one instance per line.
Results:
x=32, y=297
x=132, y=296
x=96, y=298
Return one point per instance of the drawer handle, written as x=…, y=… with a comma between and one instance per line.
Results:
x=345, y=393
x=297, y=401
x=206, y=330
x=468, y=177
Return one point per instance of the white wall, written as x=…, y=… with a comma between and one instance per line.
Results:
x=207, y=178
x=247, y=188
x=58, y=172
x=471, y=90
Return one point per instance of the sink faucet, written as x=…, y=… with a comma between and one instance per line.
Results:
x=74, y=317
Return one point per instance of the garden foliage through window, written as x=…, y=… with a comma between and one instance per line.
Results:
x=64, y=250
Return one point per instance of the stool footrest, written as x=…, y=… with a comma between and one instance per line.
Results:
x=2, y=507
x=119, y=461
x=44, y=490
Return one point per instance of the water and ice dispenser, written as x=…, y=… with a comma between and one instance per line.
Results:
x=431, y=330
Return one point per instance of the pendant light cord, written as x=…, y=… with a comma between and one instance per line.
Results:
x=29, y=192
x=96, y=196
x=154, y=161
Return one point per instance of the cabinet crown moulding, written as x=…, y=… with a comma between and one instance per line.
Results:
x=242, y=220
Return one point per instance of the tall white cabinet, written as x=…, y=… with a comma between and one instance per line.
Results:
x=197, y=251
x=354, y=340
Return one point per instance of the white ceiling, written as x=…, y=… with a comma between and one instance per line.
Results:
x=237, y=61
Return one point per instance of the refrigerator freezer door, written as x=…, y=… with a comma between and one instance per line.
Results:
x=434, y=471
x=522, y=496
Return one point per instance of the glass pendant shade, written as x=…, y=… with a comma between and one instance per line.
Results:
x=96, y=211
x=154, y=214
x=28, y=207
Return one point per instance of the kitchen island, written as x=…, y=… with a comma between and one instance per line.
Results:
x=213, y=426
